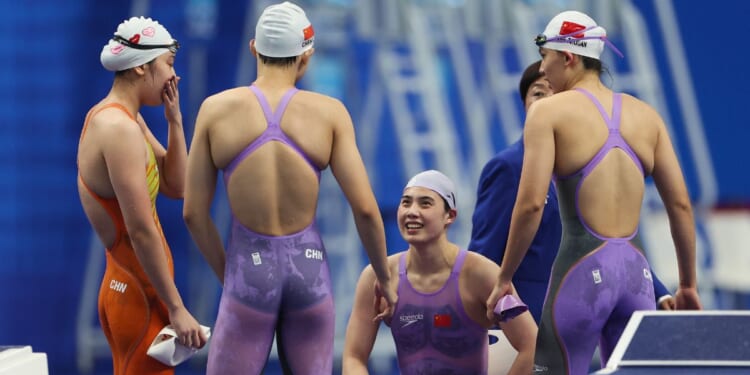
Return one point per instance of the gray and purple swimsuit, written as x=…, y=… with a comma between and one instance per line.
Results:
x=597, y=282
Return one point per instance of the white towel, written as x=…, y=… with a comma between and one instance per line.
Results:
x=168, y=351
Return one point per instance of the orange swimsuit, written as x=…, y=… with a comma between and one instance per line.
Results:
x=130, y=312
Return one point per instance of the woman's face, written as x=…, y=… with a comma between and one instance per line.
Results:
x=422, y=216
x=553, y=66
x=158, y=73
x=541, y=88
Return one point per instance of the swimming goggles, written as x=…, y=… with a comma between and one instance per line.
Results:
x=172, y=47
x=542, y=39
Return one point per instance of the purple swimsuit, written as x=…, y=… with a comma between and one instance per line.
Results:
x=597, y=282
x=273, y=285
x=433, y=333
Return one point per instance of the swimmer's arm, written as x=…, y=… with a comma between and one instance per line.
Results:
x=536, y=173
x=171, y=161
x=521, y=331
x=199, y=193
x=671, y=186
x=125, y=156
x=349, y=170
x=361, y=330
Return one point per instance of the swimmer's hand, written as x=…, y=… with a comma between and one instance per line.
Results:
x=385, y=300
x=171, y=97
x=189, y=332
x=687, y=298
x=502, y=288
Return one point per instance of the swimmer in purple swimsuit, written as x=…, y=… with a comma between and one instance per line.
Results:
x=439, y=325
x=271, y=140
x=600, y=146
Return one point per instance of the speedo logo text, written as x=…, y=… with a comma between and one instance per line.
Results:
x=407, y=320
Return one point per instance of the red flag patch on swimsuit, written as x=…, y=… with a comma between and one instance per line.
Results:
x=441, y=321
x=568, y=28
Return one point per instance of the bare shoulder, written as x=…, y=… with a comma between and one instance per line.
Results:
x=115, y=122
x=332, y=108
x=319, y=98
x=479, y=269
x=639, y=106
x=642, y=114
x=479, y=262
x=222, y=106
x=369, y=274
x=478, y=276
x=564, y=98
x=226, y=99
x=552, y=107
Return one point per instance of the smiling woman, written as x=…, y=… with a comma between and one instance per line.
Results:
x=439, y=323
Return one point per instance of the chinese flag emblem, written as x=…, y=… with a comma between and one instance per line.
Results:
x=568, y=28
x=442, y=321
x=308, y=32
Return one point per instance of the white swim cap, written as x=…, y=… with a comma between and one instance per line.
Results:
x=136, y=42
x=577, y=33
x=437, y=182
x=283, y=30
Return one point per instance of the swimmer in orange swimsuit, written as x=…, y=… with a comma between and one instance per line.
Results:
x=119, y=165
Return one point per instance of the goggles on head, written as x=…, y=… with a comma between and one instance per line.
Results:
x=542, y=39
x=172, y=47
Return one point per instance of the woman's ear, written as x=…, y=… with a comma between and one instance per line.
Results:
x=140, y=70
x=252, y=47
x=568, y=56
x=452, y=215
x=307, y=54
x=305, y=59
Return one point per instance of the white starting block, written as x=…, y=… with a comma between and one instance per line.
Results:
x=21, y=360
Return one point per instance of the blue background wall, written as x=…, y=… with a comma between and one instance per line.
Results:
x=50, y=75
x=711, y=59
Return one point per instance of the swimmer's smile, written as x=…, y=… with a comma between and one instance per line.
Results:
x=413, y=227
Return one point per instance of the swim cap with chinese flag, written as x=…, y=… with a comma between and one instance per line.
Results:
x=308, y=33
x=569, y=28
x=575, y=32
x=283, y=30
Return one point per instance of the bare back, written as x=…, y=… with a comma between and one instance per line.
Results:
x=100, y=166
x=274, y=189
x=610, y=196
